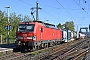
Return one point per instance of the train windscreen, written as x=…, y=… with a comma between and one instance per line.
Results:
x=26, y=28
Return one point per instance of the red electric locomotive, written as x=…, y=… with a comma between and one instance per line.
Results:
x=36, y=34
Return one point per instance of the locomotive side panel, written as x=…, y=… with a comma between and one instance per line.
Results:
x=47, y=33
x=54, y=34
x=57, y=34
x=60, y=34
x=38, y=32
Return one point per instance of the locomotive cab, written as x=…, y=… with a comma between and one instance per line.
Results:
x=25, y=34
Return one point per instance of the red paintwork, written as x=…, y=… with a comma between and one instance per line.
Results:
x=59, y=34
x=47, y=34
x=24, y=35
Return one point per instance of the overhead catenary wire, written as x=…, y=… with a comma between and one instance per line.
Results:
x=25, y=2
x=58, y=7
x=53, y=7
x=50, y=6
x=63, y=7
x=50, y=14
x=43, y=10
x=81, y=7
x=68, y=11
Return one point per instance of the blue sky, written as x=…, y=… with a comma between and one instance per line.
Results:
x=56, y=11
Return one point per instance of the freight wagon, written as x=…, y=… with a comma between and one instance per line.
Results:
x=82, y=36
x=66, y=35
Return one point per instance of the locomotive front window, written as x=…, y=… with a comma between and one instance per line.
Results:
x=26, y=27
x=30, y=28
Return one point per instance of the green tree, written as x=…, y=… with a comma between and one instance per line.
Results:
x=61, y=26
x=27, y=18
x=69, y=25
x=3, y=23
x=14, y=21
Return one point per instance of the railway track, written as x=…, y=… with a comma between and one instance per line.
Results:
x=76, y=57
x=29, y=56
x=10, y=56
x=25, y=56
x=81, y=51
x=66, y=51
x=56, y=52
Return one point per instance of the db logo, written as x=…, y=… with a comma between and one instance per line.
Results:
x=24, y=35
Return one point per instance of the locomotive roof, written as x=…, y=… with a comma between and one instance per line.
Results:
x=47, y=24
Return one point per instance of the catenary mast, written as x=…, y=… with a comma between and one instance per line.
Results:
x=35, y=11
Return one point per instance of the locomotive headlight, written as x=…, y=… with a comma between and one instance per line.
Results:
x=34, y=37
x=30, y=37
